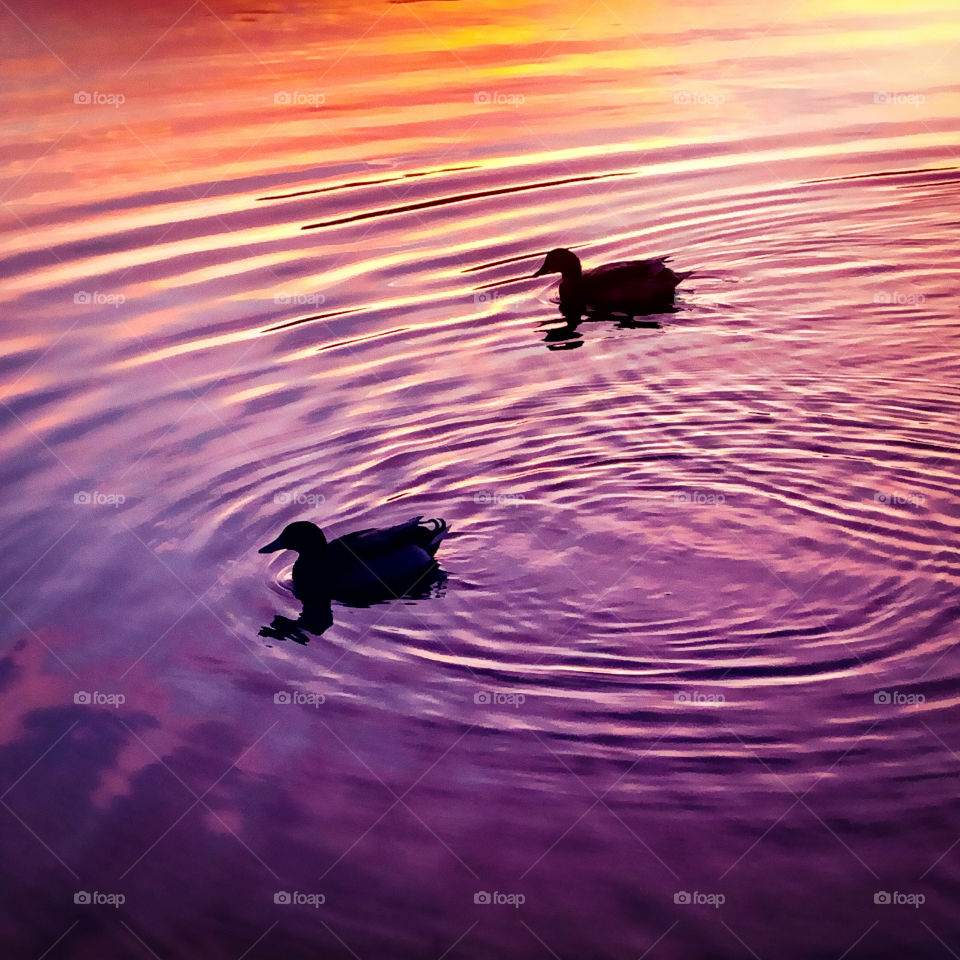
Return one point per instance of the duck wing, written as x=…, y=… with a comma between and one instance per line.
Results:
x=628, y=269
x=631, y=281
x=369, y=544
x=375, y=564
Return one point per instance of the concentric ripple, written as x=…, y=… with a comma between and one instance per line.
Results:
x=701, y=565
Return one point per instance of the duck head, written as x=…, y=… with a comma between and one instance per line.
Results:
x=302, y=536
x=560, y=261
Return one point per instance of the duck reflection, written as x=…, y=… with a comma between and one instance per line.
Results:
x=359, y=569
x=315, y=618
x=563, y=333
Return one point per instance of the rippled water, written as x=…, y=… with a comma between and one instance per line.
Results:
x=696, y=636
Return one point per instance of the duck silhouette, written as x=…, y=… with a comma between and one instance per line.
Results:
x=361, y=567
x=633, y=287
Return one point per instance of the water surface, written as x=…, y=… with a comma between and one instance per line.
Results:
x=688, y=689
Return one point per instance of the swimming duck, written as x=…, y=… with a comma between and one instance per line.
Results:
x=628, y=286
x=362, y=566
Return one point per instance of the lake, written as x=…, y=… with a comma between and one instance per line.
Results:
x=688, y=686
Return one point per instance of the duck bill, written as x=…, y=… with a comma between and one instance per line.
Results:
x=273, y=546
x=541, y=271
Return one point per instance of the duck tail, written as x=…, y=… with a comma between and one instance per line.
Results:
x=435, y=530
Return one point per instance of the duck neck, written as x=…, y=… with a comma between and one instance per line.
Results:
x=572, y=272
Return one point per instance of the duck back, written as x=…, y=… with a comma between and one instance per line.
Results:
x=373, y=564
x=630, y=283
